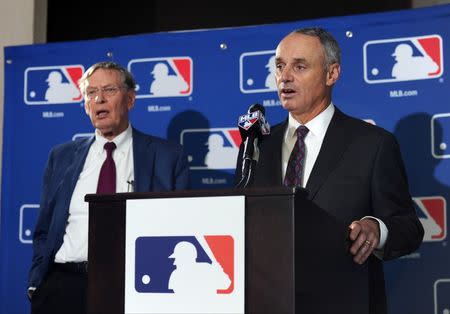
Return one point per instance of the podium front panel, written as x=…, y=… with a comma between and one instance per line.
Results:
x=296, y=254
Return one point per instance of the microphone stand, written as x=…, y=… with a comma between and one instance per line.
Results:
x=247, y=163
x=255, y=131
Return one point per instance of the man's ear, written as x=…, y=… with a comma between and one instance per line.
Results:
x=86, y=107
x=131, y=98
x=333, y=73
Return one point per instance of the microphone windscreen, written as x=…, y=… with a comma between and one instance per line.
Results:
x=256, y=107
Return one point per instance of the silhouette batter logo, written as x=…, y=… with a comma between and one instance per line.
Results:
x=257, y=72
x=191, y=266
x=440, y=135
x=162, y=77
x=403, y=59
x=432, y=214
x=442, y=296
x=215, y=148
x=52, y=85
x=27, y=221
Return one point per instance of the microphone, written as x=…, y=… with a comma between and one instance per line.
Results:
x=252, y=126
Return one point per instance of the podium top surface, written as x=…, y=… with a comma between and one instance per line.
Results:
x=197, y=193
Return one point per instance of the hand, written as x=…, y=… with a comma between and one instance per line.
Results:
x=365, y=235
x=30, y=293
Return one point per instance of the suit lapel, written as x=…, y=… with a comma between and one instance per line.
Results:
x=73, y=171
x=334, y=144
x=144, y=155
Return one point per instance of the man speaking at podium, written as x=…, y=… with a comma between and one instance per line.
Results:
x=351, y=169
x=118, y=158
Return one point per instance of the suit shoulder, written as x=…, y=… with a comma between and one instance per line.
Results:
x=167, y=144
x=366, y=128
x=163, y=144
x=70, y=146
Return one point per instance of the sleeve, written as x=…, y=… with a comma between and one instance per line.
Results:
x=42, y=224
x=392, y=202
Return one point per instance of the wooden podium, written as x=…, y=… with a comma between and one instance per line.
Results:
x=296, y=254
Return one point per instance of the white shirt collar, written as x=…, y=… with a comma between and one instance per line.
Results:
x=317, y=126
x=122, y=141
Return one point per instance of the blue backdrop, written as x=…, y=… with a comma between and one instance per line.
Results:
x=393, y=75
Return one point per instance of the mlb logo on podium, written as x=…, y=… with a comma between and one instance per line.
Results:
x=403, y=59
x=185, y=255
x=162, y=77
x=432, y=212
x=186, y=265
x=215, y=148
x=257, y=72
x=52, y=85
x=442, y=296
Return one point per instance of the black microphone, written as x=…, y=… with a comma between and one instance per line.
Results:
x=252, y=126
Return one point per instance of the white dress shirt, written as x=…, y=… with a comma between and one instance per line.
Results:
x=313, y=142
x=75, y=242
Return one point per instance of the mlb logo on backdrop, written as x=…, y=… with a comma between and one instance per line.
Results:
x=440, y=135
x=215, y=148
x=52, y=85
x=185, y=265
x=441, y=296
x=162, y=77
x=257, y=72
x=403, y=59
x=27, y=221
x=432, y=212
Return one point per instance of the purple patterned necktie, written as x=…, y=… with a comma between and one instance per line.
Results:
x=107, y=178
x=294, y=170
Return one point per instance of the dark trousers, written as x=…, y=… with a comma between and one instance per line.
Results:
x=63, y=291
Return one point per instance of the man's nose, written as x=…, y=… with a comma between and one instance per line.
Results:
x=286, y=74
x=99, y=98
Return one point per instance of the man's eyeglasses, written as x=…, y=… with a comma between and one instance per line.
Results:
x=109, y=91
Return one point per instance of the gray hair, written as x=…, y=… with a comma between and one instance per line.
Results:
x=127, y=77
x=329, y=44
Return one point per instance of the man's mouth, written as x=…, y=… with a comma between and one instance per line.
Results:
x=100, y=114
x=287, y=91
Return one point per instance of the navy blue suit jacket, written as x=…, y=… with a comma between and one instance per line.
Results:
x=159, y=165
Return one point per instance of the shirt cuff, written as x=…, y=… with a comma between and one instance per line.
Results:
x=383, y=232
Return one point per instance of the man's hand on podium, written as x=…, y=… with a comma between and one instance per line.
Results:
x=365, y=235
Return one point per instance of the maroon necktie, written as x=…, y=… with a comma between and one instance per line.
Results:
x=294, y=170
x=107, y=178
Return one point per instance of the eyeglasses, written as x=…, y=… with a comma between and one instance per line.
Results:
x=109, y=91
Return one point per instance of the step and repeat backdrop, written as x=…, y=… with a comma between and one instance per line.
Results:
x=191, y=88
